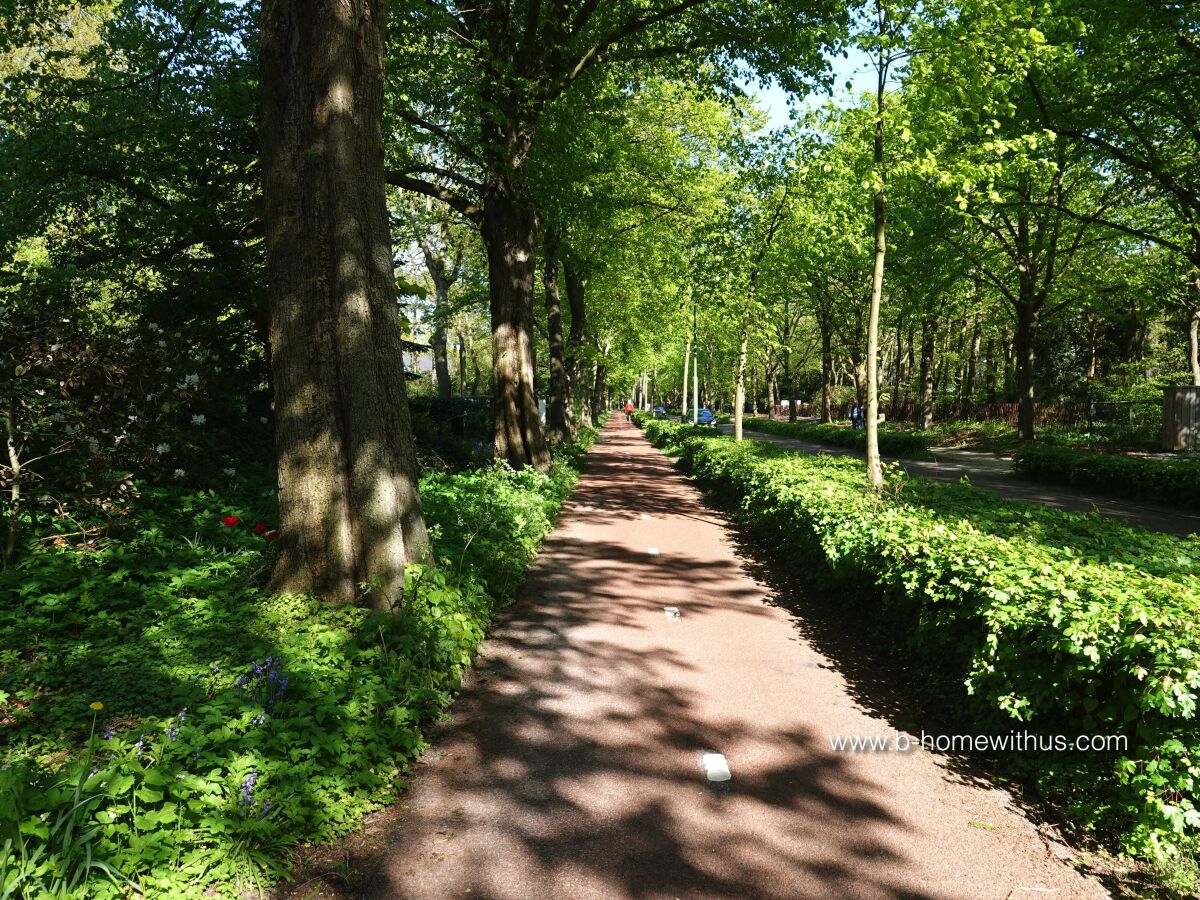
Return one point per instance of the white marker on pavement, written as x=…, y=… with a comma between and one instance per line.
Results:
x=653, y=551
x=716, y=769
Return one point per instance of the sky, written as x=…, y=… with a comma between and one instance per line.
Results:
x=856, y=69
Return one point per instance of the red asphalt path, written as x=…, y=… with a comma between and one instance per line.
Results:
x=571, y=767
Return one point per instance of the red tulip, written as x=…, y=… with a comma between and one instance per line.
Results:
x=261, y=528
x=272, y=535
x=230, y=521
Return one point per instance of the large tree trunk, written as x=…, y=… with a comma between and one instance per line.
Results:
x=462, y=365
x=928, y=343
x=510, y=233
x=349, y=512
x=874, y=463
x=556, y=408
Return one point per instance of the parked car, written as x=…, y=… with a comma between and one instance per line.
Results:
x=659, y=411
x=706, y=417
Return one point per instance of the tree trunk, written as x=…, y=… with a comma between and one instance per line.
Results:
x=556, y=408
x=599, y=403
x=826, y=375
x=928, y=342
x=874, y=464
x=687, y=358
x=968, y=391
x=990, y=378
x=1023, y=350
x=1194, y=330
x=739, y=394
x=510, y=233
x=435, y=264
x=578, y=384
x=462, y=364
x=349, y=511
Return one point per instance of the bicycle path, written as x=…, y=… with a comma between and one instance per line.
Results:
x=994, y=473
x=571, y=765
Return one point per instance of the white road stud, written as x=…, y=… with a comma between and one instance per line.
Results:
x=672, y=612
x=653, y=551
x=716, y=769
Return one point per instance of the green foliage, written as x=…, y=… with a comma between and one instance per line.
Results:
x=1172, y=482
x=1054, y=622
x=236, y=724
x=891, y=443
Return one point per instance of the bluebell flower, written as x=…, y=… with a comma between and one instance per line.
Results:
x=216, y=669
x=266, y=807
x=183, y=715
x=138, y=745
x=172, y=732
x=248, y=792
x=108, y=732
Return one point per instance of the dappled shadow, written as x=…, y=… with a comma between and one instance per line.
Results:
x=980, y=471
x=571, y=765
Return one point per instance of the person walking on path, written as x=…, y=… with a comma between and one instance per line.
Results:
x=628, y=410
x=856, y=415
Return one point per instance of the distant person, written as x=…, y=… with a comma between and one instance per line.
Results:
x=628, y=410
x=856, y=415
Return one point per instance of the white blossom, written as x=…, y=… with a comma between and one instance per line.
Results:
x=198, y=419
x=230, y=471
x=163, y=448
x=179, y=473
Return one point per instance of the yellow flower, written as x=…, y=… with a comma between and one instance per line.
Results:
x=97, y=706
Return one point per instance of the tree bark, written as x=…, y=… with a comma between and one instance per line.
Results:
x=349, y=511
x=1194, y=329
x=578, y=384
x=1023, y=350
x=687, y=359
x=968, y=391
x=556, y=408
x=739, y=394
x=826, y=375
x=928, y=343
x=510, y=234
x=435, y=264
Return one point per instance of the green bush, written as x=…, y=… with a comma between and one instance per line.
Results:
x=1172, y=482
x=235, y=724
x=1063, y=623
x=891, y=443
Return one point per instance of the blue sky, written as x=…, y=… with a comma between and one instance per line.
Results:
x=855, y=68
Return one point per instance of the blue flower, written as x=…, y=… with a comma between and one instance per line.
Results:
x=266, y=807
x=172, y=732
x=183, y=715
x=108, y=732
x=248, y=792
x=138, y=745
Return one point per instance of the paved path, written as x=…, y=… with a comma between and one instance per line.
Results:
x=994, y=473
x=571, y=766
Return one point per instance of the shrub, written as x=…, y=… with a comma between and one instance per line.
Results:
x=891, y=443
x=1172, y=482
x=1065, y=623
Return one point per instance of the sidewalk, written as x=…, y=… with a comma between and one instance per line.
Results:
x=571, y=767
x=993, y=473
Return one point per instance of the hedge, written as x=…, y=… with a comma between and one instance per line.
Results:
x=891, y=443
x=1060, y=623
x=1172, y=482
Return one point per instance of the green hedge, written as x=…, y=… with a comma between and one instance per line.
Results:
x=1062, y=623
x=202, y=768
x=891, y=443
x=1173, y=482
